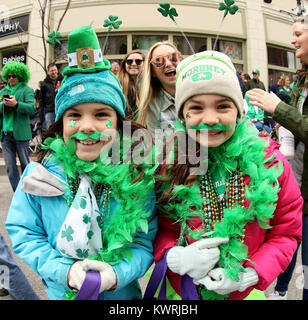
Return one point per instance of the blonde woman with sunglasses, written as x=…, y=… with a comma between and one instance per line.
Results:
x=157, y=109
x=130, y=69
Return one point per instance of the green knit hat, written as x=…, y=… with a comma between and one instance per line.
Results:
x=84, y=52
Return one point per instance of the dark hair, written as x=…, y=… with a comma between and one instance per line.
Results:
x=129, y=85
x=179, y=172
x=52, y=64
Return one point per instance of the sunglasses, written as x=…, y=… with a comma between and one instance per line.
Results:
x=160, y=61
x=137, y=61
x=12, y=76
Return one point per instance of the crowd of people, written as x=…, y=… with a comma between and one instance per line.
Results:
x=224, y=219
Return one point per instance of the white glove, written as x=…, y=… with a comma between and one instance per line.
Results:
x=197, y=259
x=217, y=281
x=108, y=275
x=77, y=274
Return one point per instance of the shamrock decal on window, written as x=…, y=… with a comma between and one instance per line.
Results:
x=112, y=23
x=53, y=37
x=228, y=6
x=166, y=11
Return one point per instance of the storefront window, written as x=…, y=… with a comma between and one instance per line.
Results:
x=198, y=44
x=274, y=75
x=114, y=45
x=145, y=42
x=281, y=57
x=60, y=52
x=232, y=48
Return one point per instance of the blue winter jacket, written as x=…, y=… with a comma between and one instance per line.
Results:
x=36, y=214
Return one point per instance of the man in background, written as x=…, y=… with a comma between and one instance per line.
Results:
x=115, y=67
x=48, y=92
x=255, y=82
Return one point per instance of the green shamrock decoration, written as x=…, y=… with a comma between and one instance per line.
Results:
x=228, y=6
x=67, y=233
x=166, y=11
x=112, y=23
x=53, y=37
x=79, y=201
x=86, y=218
x=90, y=234
x=82, y=253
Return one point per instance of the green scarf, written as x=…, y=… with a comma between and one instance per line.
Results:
x=12, y=90
x=246, y=150
x=132, y=196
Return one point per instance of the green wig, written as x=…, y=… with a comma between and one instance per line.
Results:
x=18, y=68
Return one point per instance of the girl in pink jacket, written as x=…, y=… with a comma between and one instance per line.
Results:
x=230, y=208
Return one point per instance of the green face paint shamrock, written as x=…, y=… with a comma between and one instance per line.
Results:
x=228, y=7
x=72, y=123
x=108, y=124
x=53, y=37
x=166, y=11
x=112, y=23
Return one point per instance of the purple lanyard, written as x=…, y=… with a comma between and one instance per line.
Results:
x=90, y=287
x=188, y=289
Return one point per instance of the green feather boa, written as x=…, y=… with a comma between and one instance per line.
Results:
x=131, y=217
x=246, y=149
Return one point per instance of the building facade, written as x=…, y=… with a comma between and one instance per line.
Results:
x=258, y=36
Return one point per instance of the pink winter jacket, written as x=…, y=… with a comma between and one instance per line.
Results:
x=270, y=249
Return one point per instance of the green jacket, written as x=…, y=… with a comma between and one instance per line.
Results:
x=252, y=84
x=26, y=106
x=289, y=117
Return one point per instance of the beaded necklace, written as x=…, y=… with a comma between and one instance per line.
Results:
x=213, y=207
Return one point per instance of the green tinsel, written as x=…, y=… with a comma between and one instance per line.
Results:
x=246, y=150
x=132, y=197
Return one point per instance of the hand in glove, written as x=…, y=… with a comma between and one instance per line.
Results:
x=197, y=259
x=217, y=281
x=77, y=274
x=108, y=275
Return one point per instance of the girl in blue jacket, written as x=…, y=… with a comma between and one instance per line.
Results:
x=83, y=206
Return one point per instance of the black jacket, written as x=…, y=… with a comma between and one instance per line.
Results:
x=48, y=94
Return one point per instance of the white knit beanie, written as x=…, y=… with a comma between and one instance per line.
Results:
x=207, y=72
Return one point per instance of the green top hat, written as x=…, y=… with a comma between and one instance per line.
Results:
x=84, y=52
